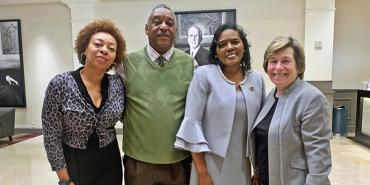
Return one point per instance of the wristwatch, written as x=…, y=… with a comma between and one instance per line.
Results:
x=65, y=182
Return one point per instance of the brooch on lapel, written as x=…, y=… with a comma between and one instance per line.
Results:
x=251, y=88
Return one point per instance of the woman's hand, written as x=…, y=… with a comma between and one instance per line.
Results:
x=200, y=165
x=63, y=175
x=204, y=179
x=256, y=178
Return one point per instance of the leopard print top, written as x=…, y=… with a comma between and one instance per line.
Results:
x=68, y=118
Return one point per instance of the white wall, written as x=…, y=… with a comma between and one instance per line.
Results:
x=319, y=28
x=47, y=50
x=351, y=62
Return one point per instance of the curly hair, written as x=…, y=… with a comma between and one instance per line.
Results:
x=280, y=43
x=100, y=25
x=246, y=59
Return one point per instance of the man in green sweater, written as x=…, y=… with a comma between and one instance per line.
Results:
x=157, y=79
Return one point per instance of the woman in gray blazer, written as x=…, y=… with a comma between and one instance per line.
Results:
x=290, y=139
x=223, y=101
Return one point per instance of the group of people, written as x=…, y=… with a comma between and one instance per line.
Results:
x=212, y=125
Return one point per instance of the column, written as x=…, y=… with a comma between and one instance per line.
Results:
x=82, y=12
x=319, y=35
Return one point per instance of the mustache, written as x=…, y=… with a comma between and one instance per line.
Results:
x=163, y=35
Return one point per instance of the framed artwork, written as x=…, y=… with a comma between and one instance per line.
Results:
x=12, y=89
x=205, y=20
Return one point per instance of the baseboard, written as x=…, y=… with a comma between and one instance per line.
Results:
x=350, y=134
x=27, y=130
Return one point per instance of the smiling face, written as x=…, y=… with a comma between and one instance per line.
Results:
x=193, y=37
x=101, y=51
x=230, y=48
x=161, y=30
x=282, y=69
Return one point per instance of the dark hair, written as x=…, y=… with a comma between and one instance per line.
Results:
x=101, y=25
x=245, y=62
x=280, y=43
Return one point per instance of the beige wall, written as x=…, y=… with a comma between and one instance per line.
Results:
x=47, y=51
x=263, y=20
x=47, y=46
x=319, y=28
x=351, y=61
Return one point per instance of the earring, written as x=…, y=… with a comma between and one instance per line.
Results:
x=114, y=66
x=82, y=57
x=242, y=65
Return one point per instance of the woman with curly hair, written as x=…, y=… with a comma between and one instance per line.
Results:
x=81, y=109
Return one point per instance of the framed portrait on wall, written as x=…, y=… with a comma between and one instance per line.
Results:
x=205, y=20
x=12, y=89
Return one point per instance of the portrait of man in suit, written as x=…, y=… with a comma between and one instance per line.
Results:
x=199, y=53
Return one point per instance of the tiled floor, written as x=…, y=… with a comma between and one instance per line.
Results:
x=25, y=163
x=351, y=163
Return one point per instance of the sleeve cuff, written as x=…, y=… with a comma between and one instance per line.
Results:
x=190, y=137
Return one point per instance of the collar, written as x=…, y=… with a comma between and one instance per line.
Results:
x=153, y=54
x=194, y=51
x=291, y=88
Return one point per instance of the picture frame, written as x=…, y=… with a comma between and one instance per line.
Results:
x=12, y=88
x=206, y=20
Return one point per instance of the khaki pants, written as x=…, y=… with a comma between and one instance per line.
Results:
x=142, y=173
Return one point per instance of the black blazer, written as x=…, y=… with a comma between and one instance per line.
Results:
x=202, y=55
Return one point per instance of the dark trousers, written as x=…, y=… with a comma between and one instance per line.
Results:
x=142, y=173
x=94, y=166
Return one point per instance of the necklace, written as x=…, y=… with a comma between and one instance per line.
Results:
x=229, y=81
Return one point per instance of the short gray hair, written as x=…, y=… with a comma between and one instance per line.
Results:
x=157, y=7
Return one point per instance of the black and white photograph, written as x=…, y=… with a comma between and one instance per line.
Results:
x=205, y=20
x=195, y=31
x=12, y=93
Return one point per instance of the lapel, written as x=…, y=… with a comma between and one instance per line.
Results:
x=227, y=95
x=198, y=56
x=249, y=94
x=279, y=107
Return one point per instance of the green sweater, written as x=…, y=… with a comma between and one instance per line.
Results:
x=155, y=106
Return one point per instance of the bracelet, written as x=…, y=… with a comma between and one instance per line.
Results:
x=65, y=182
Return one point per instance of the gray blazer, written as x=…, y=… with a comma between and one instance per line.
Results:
x=210, y=108
x=298, y=138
